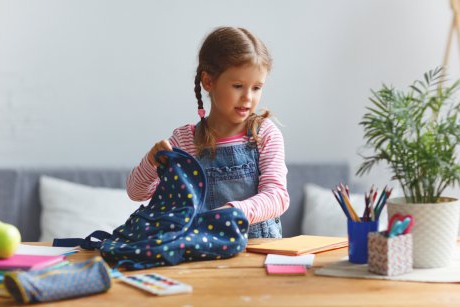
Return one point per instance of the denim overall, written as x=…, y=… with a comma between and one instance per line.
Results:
x=233, y=175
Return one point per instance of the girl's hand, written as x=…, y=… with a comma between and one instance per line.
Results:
x=161, y=145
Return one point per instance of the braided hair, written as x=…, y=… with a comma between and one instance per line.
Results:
x=203, y=136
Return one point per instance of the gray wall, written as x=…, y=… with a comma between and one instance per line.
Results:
x=96, y=83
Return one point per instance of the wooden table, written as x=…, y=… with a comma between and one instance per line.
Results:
x=242, y=281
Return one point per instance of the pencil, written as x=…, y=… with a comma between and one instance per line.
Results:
x=366, y=207
x=372, y=205
x=384, y=201
x=353, y=214
x=341, y=205
x=376, y=208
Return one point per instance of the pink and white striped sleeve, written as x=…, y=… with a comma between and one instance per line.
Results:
x=143, y=179
x=272, y=198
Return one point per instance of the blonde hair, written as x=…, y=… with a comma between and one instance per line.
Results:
x=223, y=48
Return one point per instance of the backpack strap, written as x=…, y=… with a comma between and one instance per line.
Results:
x=133, y=265
x=85, y=243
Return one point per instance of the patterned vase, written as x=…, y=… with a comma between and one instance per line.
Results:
x=434, y=232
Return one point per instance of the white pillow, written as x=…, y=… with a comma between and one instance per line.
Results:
x=323, y=215
x=72, y=210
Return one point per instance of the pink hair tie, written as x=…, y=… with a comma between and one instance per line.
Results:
x=201, y=112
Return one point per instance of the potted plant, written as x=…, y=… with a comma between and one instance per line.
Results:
x=417, y=133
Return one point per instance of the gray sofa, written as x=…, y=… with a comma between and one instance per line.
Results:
x=20, y=205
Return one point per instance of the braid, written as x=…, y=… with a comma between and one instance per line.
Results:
x=203, y=137
x=198, y=89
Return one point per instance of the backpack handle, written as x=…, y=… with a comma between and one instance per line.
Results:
x=176, y=153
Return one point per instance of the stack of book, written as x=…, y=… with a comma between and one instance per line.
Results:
x=292, y=256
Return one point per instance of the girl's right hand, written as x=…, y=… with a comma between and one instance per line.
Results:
x=161, y=145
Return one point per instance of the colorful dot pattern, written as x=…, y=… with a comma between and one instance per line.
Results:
x=169, y=230
x=71, y=280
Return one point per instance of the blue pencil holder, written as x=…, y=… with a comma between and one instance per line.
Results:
x=357, y=239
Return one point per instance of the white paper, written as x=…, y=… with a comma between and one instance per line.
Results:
x=306, y=260
x=24, y=249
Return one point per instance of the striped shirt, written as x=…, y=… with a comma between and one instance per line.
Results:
x=272, y=198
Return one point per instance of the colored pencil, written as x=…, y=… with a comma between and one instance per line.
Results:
x=342, y=205
x=353, y=214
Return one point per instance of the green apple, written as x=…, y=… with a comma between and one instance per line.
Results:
x=9, y=240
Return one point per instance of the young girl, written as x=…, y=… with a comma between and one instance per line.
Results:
x=242, y=153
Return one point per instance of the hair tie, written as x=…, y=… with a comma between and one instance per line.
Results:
x=201, y=112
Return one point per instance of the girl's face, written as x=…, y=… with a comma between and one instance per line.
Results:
x=235, y=95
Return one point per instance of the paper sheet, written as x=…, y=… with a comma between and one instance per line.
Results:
x=306, y=260
x=24, y=249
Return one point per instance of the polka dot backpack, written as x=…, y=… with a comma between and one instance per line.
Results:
x=172, y=228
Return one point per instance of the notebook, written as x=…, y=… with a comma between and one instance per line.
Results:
x=299, y=245
x=29, y=262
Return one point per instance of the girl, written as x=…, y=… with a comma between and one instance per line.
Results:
x=242, y=153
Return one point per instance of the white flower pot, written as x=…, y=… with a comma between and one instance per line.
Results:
x=435, y=229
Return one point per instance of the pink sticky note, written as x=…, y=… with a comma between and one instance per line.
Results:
x=286, y=269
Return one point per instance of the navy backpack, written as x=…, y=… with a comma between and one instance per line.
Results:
x=172, y=228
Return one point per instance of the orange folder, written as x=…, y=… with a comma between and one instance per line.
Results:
x=299, y=245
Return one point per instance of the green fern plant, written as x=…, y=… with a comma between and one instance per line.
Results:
x=417, y=133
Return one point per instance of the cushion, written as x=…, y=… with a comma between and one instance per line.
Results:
x=323, y=215
x=71, y=210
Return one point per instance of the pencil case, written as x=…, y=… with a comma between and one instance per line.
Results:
x=390, y=256
x=56, y=283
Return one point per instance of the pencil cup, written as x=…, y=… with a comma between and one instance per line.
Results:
x=390, y=256
x=357, y=239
